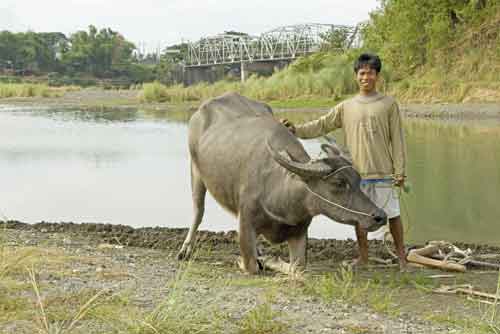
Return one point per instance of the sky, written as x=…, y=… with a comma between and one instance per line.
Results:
x=153, y=23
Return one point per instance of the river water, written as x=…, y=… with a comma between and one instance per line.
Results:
x=131, y=167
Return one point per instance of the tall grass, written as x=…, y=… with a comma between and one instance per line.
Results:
x=31, y=90
x=327, y=76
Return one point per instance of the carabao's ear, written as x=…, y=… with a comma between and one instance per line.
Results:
x=331, y=150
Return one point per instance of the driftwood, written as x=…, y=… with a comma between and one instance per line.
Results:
x=422, y=256
x=471, y=262
x=465, y=289
x=487, y=256
x=446, y=256
x=441, y=276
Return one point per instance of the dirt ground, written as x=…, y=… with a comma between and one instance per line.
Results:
x=138, y=270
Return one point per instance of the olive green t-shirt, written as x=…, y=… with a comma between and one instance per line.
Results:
x=373, y=134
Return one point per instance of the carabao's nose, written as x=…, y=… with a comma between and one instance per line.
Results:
x=379, y=219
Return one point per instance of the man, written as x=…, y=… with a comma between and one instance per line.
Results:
x=374, y=136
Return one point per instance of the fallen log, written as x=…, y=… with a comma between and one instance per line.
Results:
x=420, y=256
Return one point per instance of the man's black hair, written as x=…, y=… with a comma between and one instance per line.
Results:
x=368, y=59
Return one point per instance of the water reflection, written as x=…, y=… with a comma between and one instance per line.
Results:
x=456, y=180
x=131, y=167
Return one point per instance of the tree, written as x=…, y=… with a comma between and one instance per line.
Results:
x=412, y=33
x=337, y=39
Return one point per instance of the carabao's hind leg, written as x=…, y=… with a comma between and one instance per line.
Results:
x=248, y=245
x=198, y=192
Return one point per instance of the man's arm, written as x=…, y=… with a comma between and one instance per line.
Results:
x=321, y=126
x=398, y=144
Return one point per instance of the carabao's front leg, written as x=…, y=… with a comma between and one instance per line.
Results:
x=248, y=246
x=297, y=246
x=198, y=192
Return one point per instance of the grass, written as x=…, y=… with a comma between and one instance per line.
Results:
x=48, y=323
x=377, y=290
x=295, y=86
x=343, y=285
x=179, y=313
x=262, y=319
x=381, y=293
x=32, y=90
x=305, y=102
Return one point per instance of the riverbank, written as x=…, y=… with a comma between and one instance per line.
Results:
x=98, y=99
x=125, y=280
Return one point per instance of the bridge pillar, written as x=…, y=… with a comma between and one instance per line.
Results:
x=243, y=71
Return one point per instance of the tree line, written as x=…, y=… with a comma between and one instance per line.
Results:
x=101, y=54
x=410, y=34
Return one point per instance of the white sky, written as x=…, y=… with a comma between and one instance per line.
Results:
x=153, y=22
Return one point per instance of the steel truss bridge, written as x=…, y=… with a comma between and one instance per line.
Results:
x=284, y=43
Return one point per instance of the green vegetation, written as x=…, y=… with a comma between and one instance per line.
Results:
x=32, y=90
x=439, y=50
x=79, y=59
x=346, y=286
x=324, y=77
x=431, y=50
x=262, y=320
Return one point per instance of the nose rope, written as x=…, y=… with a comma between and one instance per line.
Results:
x=333, y=203
x=337, y=205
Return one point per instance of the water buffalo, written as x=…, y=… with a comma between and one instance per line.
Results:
x=260, y=172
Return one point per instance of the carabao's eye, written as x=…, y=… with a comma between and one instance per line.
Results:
x=340, y=184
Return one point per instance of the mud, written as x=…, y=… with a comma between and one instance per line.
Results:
x=319, y=250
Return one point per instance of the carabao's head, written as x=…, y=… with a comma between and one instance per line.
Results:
x=332, y=188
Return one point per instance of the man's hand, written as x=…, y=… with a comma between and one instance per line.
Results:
x=399, y=181
x=289, y=125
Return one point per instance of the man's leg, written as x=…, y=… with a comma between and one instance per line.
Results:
x=362, y=237
x=396, y=228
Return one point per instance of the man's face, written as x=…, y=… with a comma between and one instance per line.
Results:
x=367, y=79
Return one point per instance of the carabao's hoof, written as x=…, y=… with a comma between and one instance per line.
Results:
x=252, y=269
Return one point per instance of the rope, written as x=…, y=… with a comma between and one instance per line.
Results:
x=337, y=205
x=333, y=203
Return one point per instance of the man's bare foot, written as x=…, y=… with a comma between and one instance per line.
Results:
x=403, y=265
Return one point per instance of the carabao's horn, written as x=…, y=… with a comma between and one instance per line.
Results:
x=310, y=169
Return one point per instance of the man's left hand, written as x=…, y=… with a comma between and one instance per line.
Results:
x=399, y=181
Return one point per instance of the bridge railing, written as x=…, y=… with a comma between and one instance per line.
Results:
x=283, y=43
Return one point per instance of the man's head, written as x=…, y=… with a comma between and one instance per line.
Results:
x=367, y=67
